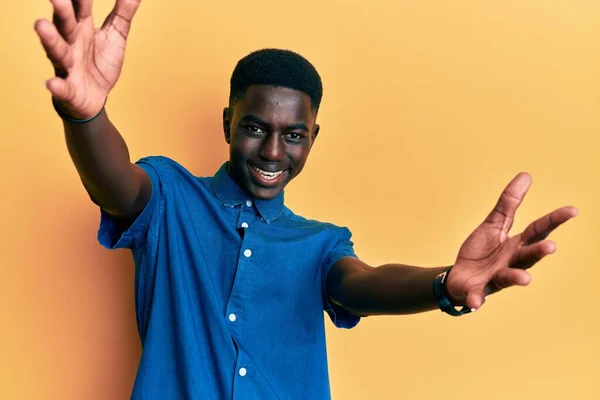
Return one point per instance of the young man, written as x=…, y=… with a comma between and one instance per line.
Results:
x=231, y=284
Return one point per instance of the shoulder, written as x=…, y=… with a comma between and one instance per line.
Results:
x=329, y=228
x=168, y=169
x=162, y=163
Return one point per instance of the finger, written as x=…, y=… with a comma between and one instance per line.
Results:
x=64, y=18
x=83, y=8
x=528, y=255
x=542, y=227
x=121, y=16
x=503, y=213
x=60, y=89
x=57, y=49
x=126, y=8
x=508, y=277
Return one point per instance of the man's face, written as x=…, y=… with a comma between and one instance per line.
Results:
x=270, y=133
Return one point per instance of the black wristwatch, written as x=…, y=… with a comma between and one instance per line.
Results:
x=442, y=297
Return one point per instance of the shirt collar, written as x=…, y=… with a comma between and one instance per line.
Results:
x=231, y=194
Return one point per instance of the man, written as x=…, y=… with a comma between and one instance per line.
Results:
x=231, y=284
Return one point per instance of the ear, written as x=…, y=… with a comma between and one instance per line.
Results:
x=315, y=133
x=227, y=124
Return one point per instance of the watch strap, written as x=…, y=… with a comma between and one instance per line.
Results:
x=442, y=297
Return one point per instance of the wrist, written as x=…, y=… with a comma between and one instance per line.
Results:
x=455, y=302
x=80, y=119
x=443, y=299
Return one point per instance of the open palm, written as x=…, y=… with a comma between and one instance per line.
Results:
x=489, y=260
x=87, y=61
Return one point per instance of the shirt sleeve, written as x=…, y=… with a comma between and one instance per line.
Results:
x=143, y=228
x=343, y=247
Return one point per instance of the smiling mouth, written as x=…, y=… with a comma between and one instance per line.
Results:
x=267, y=178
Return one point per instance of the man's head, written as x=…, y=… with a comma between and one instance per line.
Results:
x=270, y=123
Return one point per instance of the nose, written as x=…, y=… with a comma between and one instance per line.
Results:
x=272, y=148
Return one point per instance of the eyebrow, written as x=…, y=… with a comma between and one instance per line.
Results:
x=256, y=120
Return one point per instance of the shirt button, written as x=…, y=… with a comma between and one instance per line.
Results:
x=247, y=252
x=249, y=203
x=242, y=371
x=232, y=317
x=244, y=225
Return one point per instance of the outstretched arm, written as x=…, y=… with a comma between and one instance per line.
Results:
x=389, y=289
x=87, y=64
x=487, y=262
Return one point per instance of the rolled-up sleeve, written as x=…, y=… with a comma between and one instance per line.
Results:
x=344, y=247
x=112, y=236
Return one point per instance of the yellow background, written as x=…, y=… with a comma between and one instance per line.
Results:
x=430, y=108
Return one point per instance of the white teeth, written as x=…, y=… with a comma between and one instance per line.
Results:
x=267, y=175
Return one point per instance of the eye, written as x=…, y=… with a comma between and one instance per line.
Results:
x=254, y=129
x=294, y=136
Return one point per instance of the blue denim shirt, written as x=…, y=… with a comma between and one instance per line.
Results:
x=229, y=290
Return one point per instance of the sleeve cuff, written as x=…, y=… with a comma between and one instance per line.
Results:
x=341, y=317
x=111, y=236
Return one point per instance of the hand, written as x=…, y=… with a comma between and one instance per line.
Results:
x=87, y=61
x=489, y=260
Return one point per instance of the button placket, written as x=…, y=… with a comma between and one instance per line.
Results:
x=239, y=291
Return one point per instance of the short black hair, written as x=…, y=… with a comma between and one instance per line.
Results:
x=276, y=67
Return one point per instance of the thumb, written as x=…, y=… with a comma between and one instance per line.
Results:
x=476, y=298
x=60, y=89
